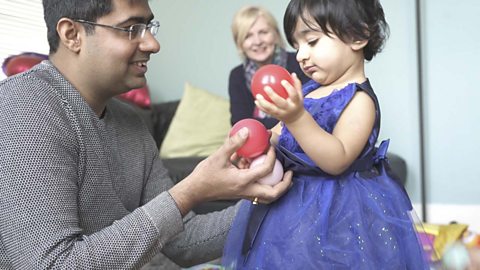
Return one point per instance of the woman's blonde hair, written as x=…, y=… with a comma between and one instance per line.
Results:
x=243, y=21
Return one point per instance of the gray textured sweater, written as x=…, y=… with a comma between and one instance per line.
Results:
x=80, y=192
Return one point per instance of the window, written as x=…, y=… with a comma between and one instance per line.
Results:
x=22, y=29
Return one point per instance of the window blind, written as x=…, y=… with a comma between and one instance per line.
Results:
x=22, y=29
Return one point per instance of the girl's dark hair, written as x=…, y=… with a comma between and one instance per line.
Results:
x=89, y=10
x=350, y=20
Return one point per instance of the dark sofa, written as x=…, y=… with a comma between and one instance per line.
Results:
x=158, y=119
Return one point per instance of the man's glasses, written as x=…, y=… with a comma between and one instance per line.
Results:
x=135, y=31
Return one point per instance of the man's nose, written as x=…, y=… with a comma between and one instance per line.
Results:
x=149, y=43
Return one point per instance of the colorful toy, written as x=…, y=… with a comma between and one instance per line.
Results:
x=257, y=141
x=270, y=75
x=274, y=177
x=456, y=256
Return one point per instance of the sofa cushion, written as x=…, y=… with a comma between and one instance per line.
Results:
x=200, y=125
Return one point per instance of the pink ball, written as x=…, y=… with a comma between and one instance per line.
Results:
x=274, y=177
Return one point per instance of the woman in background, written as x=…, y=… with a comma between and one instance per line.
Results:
x=259, y=43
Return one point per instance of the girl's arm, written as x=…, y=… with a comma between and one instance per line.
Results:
x=276, y=130
x=335, y=152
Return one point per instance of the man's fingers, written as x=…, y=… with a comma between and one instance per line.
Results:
x=267, y=194
x=263, y=169
x=232, y=143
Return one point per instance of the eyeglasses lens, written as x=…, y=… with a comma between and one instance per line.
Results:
x=137, y=31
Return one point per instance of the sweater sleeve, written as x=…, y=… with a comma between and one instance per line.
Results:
x=203, y=238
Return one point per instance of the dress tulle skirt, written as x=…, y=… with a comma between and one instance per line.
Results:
x=357, y=221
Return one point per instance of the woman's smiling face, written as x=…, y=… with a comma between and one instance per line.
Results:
x=259, y=44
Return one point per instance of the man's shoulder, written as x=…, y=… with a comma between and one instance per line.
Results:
x=34, y=78
x=32, y=91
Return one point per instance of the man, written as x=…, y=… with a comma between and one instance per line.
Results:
x=81, y=183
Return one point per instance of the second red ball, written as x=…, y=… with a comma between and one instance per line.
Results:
x=257, y=141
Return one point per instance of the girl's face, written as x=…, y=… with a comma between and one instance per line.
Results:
x=259, y=44
x=327, y=59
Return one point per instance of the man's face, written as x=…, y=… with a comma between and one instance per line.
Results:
x=115, y=63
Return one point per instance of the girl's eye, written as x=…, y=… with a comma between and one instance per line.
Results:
x=312, y=42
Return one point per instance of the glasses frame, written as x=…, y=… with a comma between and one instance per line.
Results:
x=151, y=26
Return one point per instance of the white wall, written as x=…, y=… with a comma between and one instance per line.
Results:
x=452, y=113
x=452, y=95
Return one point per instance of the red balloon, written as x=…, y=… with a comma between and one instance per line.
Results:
x=138, y=96
x=21, y=63
x=257, y=141
x=270, y=75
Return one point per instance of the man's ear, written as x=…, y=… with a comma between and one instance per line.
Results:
x=358, y=45
x=69, y=34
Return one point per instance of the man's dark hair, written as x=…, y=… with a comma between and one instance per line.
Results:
x=349, y=20
x=89, y=10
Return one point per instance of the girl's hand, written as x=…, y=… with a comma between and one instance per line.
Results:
x=286, y=110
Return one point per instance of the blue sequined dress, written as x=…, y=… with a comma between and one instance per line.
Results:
x=357, y=220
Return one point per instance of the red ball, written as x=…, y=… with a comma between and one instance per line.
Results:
x=270, y=75
x=257, y=141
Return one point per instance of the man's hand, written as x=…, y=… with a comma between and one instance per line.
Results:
x=217, y=178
